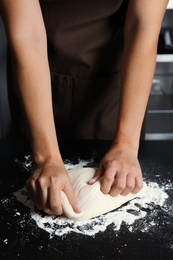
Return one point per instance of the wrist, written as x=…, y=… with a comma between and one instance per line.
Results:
x=49, y=162
x=124, y=139
x=124, y=147
x=47, y=158
x=45, y=151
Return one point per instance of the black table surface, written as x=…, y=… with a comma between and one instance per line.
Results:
x=28, y=241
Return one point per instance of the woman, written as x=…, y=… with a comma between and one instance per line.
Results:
x=82, y=64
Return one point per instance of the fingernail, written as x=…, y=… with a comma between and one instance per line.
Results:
x=78, y=210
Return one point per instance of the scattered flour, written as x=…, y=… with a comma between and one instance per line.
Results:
x=5, y=241
x=136, y=214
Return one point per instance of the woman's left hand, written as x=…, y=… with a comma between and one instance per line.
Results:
x=120, y=171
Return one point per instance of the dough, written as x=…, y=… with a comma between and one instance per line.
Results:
x=91, y=200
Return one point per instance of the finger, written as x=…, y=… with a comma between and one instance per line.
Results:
x=138, y=184
x=54, y=201
x=130, y=184
x=99, y=172
x=119, y=185
x=30, y=186
x=41, y=193
x=72, y=199
x=108, y=180
x=32, y=192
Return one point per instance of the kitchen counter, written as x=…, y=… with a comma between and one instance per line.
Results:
x=21, y=238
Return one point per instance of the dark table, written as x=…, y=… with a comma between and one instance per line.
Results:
x=28, y=241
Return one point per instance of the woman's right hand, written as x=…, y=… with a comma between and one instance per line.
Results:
x=45, y=185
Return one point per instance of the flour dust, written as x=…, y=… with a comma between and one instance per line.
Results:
x=138, y=214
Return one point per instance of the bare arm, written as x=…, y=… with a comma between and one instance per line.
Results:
x=142, y=29
x=27, y=38
x=120, y=166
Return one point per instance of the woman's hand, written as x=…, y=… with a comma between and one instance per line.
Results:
x=120, y=171
x=45, y=186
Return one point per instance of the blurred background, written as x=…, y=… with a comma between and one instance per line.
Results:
x=5, y=120
x=159, y=119
x=159, y=124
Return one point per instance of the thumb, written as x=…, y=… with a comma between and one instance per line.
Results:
x=99, y=172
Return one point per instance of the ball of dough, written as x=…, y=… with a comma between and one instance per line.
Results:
x=91, y=200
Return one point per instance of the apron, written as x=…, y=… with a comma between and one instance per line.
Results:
x=85, y=44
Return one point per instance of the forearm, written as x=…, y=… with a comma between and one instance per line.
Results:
x=27, y=39
x=142, y=27
x=137, y=74
x=34, y=88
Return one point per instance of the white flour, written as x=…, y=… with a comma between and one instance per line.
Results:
x=135, y=215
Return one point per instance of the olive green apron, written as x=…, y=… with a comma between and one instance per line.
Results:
x=85, y=43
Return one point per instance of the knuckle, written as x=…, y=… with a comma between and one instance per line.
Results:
x=55, y=209
x=123, y=168
x=113, y=193
x=29, y=185
x=107, y=178
x=130, y=186
x=140, y=184
x=109, y=164
x=139, y=181
x=137, y=188
x=52, y=180
x=120, y=186
x=41, y=181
